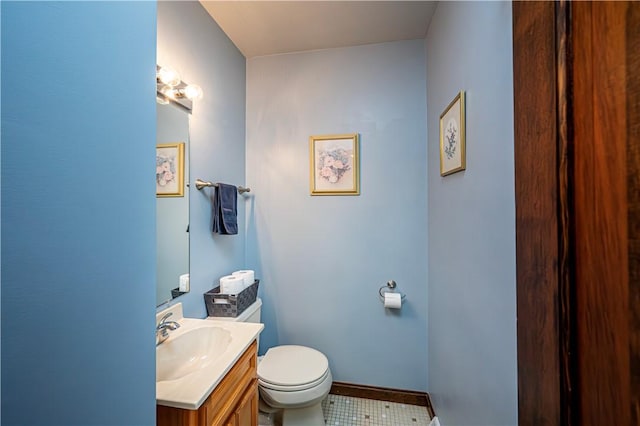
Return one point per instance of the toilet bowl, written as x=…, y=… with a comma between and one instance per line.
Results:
x=292, y=380
x=295, y=379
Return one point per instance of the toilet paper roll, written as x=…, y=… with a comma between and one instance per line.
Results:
x=184, y=283
x=248, y=276
x=231, y=284
x=392, y=300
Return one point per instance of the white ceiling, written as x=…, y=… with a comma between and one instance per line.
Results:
x=260, y=28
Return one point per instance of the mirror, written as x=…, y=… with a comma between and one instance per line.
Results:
x=172, y=209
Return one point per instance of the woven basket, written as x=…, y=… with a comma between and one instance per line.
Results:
x=230, y=305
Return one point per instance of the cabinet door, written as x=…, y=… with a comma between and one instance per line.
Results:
x=247, y=411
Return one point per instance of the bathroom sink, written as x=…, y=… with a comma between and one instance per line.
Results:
x=191, y=351
x=196, y=357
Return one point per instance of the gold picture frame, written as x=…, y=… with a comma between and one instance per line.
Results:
x=170, y=170
x=452, y=137
x=334, y=164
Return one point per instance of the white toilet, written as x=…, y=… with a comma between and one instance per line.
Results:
x=293, y=380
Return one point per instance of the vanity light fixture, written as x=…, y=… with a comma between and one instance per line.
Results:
x=171, y=89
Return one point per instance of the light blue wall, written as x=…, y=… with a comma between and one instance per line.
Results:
x=78, y=209
x=192, y=43
x=323, y=258
x=472, y=290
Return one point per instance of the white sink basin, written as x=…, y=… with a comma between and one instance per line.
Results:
x=197, y=356
x=190, y=351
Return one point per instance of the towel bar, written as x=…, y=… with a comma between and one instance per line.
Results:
x=203, y=184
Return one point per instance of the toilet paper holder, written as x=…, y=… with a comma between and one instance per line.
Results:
x=389, y=288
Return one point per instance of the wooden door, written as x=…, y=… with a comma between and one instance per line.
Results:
x=577, y=145
x=606, y=51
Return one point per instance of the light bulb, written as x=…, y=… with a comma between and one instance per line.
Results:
x=169, y=76
x=193, y=92
x=169, y=91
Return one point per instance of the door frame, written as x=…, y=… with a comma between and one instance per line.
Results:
x=545, y=285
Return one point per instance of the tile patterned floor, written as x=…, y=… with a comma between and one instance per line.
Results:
x=348, y=411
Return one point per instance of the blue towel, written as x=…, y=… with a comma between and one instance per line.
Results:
x=225, y=209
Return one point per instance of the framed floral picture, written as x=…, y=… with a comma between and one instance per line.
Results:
x=170, y=170
x=452, y=137
x=334, y=165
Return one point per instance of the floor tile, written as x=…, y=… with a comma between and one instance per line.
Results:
x=341, y=410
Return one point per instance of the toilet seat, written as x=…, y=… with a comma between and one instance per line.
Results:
x=292, y=367
x=268, y=385
x=297, y=398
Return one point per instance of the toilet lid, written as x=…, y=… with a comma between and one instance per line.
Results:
x=292, y=365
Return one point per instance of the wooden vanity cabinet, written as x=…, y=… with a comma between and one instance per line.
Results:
x=234, y=402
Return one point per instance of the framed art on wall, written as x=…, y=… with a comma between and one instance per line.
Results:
x=170, y=170
x=452, y=137
x=334, y=165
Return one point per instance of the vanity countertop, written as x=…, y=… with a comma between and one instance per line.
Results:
x=191, y=390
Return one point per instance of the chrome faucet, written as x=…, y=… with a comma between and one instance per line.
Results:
x=162, y=328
